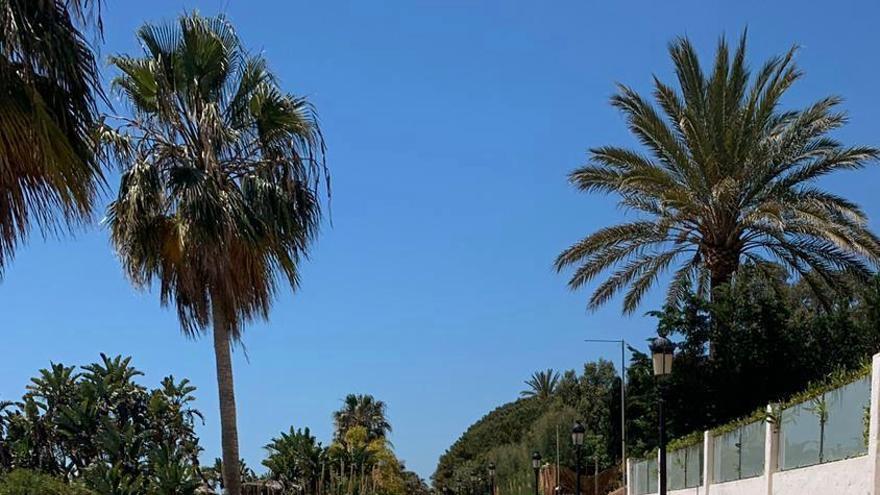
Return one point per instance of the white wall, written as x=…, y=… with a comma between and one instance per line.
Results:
x=850, y=476
x=688, y=491
x=740, y=487
x=857, y=476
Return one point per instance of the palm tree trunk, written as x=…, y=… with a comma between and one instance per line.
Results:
x=226, y=389
x=722, y=264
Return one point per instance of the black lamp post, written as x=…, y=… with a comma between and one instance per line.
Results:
x=536, y=465
x=491, y=478
x=662, y=352
x=577, y=439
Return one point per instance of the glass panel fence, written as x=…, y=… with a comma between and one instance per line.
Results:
x=694, y=467
x=740, y=453
x=640, y=478
x=752, y=439
x=844, y=431
x=652, y=475
x=676, y=465
x=799, y=435
x=825, y=429
x=726, y=465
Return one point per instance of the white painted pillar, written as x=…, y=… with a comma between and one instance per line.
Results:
x=629, y=477
x=708, y=460
x=771, y=451
x=658, y=468
x=874, y=426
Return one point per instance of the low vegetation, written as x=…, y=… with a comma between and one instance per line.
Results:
x=95, y=430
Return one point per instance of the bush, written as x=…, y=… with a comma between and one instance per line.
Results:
x=24, y=482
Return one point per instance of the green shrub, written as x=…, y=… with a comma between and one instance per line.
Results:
x=24, y=482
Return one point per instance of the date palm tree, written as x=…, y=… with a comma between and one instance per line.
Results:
x=542, y=384
x=728, y=176
x=219, y=197
x=49, y=171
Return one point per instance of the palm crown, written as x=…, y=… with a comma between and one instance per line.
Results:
x=542, y=384
x=219, y=191
x=729, y=178
x=362, y=411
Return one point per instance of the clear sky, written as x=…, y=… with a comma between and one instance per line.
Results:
x=451, y=126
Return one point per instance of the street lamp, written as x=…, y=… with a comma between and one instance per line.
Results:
x=536, y=465
x=491, y=478
x=623, y=345
x=662, y=352
x=577, y=439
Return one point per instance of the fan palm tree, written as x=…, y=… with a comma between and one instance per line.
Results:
x=49, y=171
x=542, y=384
x=219, y=197
x=364, y=411
x=729, y=177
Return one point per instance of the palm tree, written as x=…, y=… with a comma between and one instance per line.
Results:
x=364, y=411
x=729, y=177
x=219, y=196
x=49, y=172
x=542, y=384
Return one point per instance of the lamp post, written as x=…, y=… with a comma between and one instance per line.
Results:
x=577, y=439
x=491, y=478
x=623, y=344
x=662, y=352
x=536, y=466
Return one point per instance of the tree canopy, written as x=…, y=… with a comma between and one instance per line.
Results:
x=728, y=176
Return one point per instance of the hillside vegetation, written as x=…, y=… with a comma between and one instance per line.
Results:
x=777, y=337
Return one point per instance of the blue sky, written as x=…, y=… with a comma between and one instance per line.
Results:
x=451, y=126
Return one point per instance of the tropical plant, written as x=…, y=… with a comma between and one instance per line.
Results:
x=365, y=411
x=219, y=197
x=295, y=458
x=542, y=384
x=366, y=464
x=729, y=177
x=95, y=426
x=49, y=171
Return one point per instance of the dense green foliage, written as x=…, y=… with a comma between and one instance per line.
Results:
x=727, y=177
x=779, y=337
x=508, y=435
x=94, y=430
x=98, y=427
x=359, y=461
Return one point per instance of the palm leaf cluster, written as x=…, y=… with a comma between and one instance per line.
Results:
x=219, y=192
x=542, y=384
x=728, y=176
x=361, y=410
x=49, y=83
